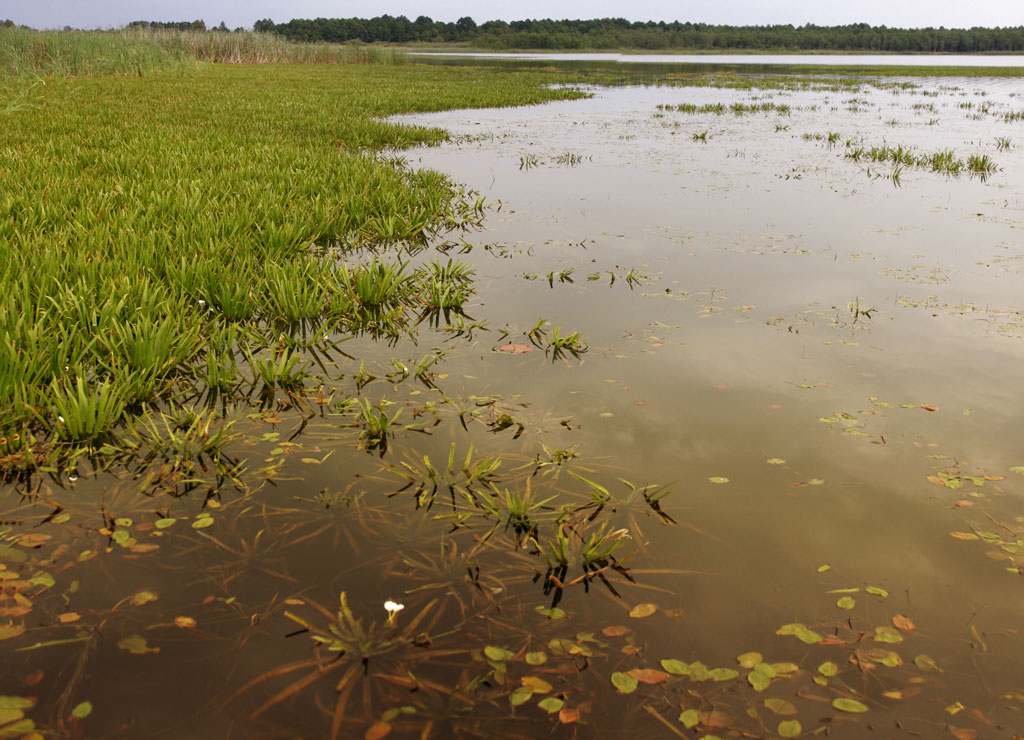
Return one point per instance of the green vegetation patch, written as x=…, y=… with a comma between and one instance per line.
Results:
x=172, y=236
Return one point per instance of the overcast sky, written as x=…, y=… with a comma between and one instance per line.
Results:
x=902, y=13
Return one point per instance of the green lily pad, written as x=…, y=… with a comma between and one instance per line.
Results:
x=521, y=695
x=849, y=705
x=551, y=705
x=624, y=682
x=888, y=634
x=498, y=654
x=690, y=718
x=136, y=645
x=536, y=658
x=724, y=674
x=790, y=728
x=780, y=706
x=675, y=667
x=749, y=660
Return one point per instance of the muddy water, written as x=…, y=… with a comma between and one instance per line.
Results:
x=820, y=364
x=742, y=349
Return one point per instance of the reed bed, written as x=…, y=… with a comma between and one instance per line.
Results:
x=143, y=51
x=181, y=237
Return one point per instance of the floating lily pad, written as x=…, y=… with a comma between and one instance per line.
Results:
x=790, y=728
x=551, y=705
x=780, y=706
x=625, y=683
x=690, y=718
x=849, y=705
x=642, y=610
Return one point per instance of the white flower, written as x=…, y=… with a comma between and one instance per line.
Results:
x=393, y=608
x=60, y=418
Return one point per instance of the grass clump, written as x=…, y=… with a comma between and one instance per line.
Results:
x=945, y=161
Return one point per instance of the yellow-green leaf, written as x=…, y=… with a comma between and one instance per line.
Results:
x=887, y=634
x=749, y=660
x=849, y=705
x=521, y=695
x=624, y=682
x=790, y=728
x=780, y=706
x=690, y=718
x=536, y=658
x=676, y=667
x=551, y=705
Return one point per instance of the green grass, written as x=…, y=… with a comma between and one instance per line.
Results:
x=168, y=235
x=945, y=161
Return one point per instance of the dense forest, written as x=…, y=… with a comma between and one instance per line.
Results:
x=618, y=33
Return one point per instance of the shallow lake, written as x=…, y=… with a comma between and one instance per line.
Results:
x=773, y=489
x=909, y=60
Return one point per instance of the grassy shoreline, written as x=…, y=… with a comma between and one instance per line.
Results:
x=192, y=265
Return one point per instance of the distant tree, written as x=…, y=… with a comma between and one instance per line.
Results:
x=264, y=26
x=609, y=33
x=465, y=28
x=7, y=23
x=223, y=27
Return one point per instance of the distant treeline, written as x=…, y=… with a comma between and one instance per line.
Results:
x=179, y=26
x=618, y=33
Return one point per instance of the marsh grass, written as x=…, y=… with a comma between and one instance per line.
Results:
x=185, y=235
x=944, y=161
x=737, y=109
x=141, y=52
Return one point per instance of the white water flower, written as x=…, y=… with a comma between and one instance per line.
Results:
x=393, y=608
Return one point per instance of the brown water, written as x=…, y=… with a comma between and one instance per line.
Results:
x=822, y=365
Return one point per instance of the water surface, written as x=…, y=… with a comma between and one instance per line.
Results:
x=817, y=357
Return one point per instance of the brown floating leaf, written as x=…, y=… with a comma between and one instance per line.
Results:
x=186, y=623
x=516, y=349
x=33, y=678
x=902, y=623
x=143, y=548
x=929, y=407
x=68, y=617
x=963, y=733
x=8, y=631
x=377, y=731
x=567, y=715
x=964, y=535
x=616, y=630
x=648, y=675
x=33, y=540
x=715, y=719
x=643, y=610
x=536, y=684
